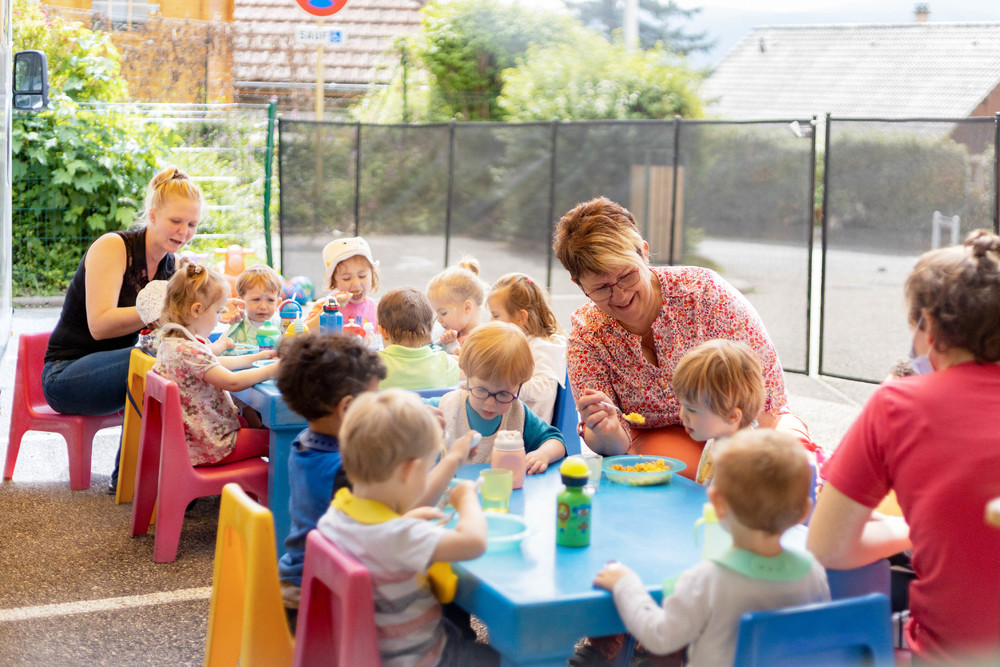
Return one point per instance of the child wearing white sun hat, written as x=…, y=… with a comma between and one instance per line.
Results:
x=352, y=276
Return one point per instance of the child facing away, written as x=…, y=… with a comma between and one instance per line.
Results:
x=195, y=298
x=457, y=296
x=496, y=360
x=389, y=441
x=720, y=387
x=703, y=610
x=351, y=276
x=259, y=286
x=405, y=321
x=320, y=375
x=518, y=299
x=149, y=304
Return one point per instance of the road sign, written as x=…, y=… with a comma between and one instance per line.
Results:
x=321, y=7
x=312, y=35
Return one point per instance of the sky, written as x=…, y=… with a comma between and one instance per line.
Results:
x=726, y=21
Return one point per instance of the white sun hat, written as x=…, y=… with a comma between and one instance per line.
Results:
x=149, y=301
x=337, y=251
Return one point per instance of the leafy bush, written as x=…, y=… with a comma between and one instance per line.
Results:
x=76, y=173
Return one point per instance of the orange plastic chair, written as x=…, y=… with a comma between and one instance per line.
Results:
x=336, y=623
x=165, y=478
x=246, y=620
x=139, y=364
x=30, y=412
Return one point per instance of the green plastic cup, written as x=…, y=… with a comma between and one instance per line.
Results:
x=498, y=484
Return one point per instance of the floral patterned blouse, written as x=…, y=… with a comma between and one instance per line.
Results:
x=210, y=422
x=698, y=306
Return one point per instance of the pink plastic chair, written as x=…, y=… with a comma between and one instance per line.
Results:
x=30, y=412
x=336, y=623
x=165, y=478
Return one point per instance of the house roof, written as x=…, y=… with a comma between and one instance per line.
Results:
x=857, y=70
x=264, y=47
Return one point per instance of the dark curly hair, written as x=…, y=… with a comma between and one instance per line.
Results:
x=959, y=288
x=318, y=370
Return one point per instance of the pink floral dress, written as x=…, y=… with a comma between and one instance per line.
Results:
x=698, y=305
x=210, y=422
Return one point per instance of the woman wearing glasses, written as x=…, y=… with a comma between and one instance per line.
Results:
x=625, y=343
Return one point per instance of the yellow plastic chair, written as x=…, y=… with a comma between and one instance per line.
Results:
x=246, y=620
x=139, y=363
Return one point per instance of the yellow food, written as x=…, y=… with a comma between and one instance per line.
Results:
x=635, y=417
x=657, y=465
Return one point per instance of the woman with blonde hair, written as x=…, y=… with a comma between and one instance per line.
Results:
x=933, y=438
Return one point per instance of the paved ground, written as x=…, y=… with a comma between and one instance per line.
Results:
x=77, y=590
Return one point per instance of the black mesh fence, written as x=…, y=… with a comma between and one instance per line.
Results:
x=894, y=189
x=429, y=196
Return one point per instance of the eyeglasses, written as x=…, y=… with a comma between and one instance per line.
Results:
x=500, y=396
x=628, y=281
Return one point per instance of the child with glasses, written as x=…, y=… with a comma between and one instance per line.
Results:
x=496, y=360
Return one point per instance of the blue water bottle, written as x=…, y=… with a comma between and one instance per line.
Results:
x=331, y=320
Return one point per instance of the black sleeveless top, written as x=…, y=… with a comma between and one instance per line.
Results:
x=71, y=338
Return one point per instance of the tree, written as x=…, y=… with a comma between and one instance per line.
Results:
x=598, y=80
x=655, y=23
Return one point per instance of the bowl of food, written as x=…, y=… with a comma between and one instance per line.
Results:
x=641, y=470
x=239, y=349
x=260, y=363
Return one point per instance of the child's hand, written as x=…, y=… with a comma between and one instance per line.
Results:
x=610, y=574
x=439, y=416
x=233, y=312
x=264, y=354
x=449, y=337
x=536, y=463
x=222, y=344
x=460, y=492
x=465, y=445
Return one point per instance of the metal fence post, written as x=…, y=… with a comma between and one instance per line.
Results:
x=826, y=199
x=357, y=180
x=272, y=112
x=996, y=173
x=552, y=203
x=810, y=231
x=675, y=252
x=451, y=185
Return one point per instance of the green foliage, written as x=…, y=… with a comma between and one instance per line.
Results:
x=83, y=64
x=76, y=172
x=655, y=20
x=593, y=79
x=884, y=188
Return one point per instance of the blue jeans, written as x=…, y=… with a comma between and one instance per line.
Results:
x=91, y=385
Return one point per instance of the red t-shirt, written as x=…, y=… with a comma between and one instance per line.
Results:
x=935, y=439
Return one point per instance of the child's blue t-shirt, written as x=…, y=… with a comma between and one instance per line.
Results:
x=314, y=475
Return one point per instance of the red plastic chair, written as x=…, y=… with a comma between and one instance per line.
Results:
x=30, y=412
x=165, y=478
x=336, y=624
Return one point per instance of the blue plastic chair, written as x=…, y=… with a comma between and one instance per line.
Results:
x=854, y=631
x=566, y=418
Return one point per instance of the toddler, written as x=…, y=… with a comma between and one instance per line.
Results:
x=320, y=375
x=721, y=389
x=496, y=360
x=389, y=441
x=195, y=298
x=351, y=275
x=149, y=305
x=259, y=286
x=518, y=299
x=703, y=609
x=405, y=320
x=457, y=296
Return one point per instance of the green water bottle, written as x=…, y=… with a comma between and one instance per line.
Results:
x=573, y=504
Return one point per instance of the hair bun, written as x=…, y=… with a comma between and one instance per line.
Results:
x=470, y=264
x=194, y=269
x=982, y=241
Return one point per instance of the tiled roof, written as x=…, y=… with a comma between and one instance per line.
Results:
x=857, y=70
x=264, y=47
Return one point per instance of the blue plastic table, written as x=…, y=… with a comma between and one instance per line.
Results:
x=539, y=601
x=284, y=426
